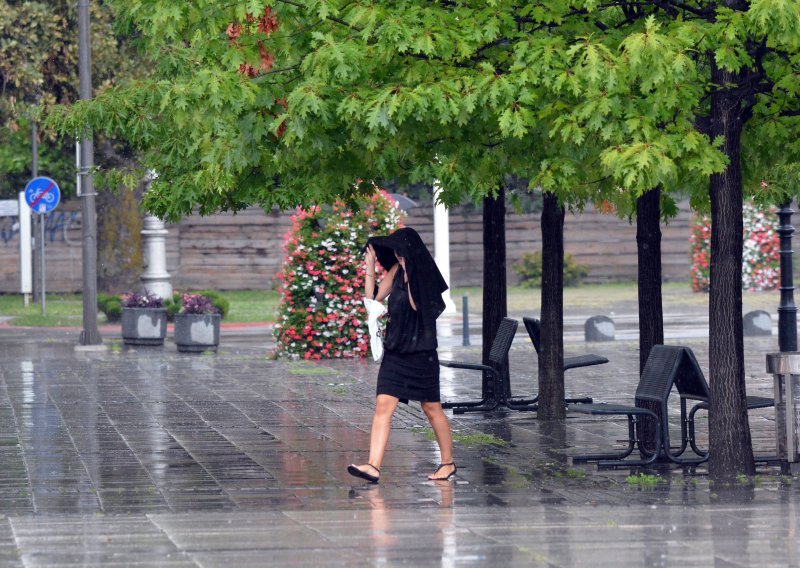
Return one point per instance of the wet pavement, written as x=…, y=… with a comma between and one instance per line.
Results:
x=149, y=457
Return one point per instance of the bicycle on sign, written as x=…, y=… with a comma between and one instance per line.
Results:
x=42, y=195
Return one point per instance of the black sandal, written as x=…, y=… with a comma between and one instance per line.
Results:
x=355, y=472
x=441, y=465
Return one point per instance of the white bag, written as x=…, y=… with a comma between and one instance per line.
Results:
x=374, y=311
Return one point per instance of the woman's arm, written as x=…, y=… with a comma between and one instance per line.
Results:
x=369, y=281
x=369, y=268
x=385, y=286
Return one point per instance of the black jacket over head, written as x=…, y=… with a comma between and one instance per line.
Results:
x=425, y=281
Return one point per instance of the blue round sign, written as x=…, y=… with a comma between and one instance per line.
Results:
x=42, y=194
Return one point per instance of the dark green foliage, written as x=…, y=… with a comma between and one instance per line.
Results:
x=110, y=305
x=173, y=305
x=217, y=299
x=529, y=269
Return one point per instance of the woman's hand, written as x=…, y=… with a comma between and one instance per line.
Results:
x=369, y=273
x=369, y=260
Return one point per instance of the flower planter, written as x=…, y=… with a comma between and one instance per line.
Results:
x=195, y=333
x=144, y=326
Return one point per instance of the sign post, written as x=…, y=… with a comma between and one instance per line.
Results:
x=25, y=250
x=42, y=196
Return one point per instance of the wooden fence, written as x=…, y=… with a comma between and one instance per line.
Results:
x=245, y=251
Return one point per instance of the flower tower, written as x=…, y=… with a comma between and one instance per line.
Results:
x=321, y=314
x=760, y=254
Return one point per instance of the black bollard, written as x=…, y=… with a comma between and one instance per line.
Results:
x=787, y=310
x=465, y=319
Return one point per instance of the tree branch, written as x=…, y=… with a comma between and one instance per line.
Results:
x=331, y=18
x=671, y=7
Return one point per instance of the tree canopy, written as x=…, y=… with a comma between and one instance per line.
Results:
x=268, y=102
x=285, y=103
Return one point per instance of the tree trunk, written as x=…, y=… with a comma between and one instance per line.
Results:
x=551, y=354
x=651, y=316
x=648, y=246
x=119, y=241
x=494, y=275
x=730, y=444
x=119, y=226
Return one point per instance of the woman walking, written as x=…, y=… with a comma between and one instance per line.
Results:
x=410, y=366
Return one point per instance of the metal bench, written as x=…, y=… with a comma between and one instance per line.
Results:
x=667, y=366
x=493, y=392
x=534, y=332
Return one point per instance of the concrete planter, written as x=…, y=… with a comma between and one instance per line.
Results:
x=144, y=326
x=195, y=333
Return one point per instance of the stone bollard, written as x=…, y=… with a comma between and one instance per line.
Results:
x=757, y=322
x=599, y=328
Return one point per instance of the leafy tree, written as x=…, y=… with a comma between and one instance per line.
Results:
x=730, y=64
x=38, y=69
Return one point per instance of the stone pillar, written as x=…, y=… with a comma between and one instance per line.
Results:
x=155, y=278
x=441, y=244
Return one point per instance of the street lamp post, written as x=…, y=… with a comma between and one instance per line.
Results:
x=90, y=334
x=155, y=278
x=787, y=310
x=441, y=244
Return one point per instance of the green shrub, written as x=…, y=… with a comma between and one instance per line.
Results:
x=529, y=269
x=111, y=306
x=173, y=305
x=220, y=302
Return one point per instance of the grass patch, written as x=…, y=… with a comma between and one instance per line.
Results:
x=309, y=370
x=252, y=305
x=644, y=480
x=573, y=473
x=63, y=310
x=479, y=439
x=613, y=297
x=249, y=306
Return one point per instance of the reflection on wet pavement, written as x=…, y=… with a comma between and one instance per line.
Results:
x=152, y=457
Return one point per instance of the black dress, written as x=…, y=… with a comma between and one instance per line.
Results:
x=410, y=366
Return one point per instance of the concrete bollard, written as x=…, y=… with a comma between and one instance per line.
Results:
x=599, y=328
x=757, y=323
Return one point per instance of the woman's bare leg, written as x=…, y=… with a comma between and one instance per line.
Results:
x=385, y=406
x=444, y=437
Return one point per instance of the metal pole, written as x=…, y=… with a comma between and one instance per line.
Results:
x=34, y=174
x=441, y=244
x=35, y=149
x=90, y=334
x=787, y=310
x=41, y=261
x=465, y=319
